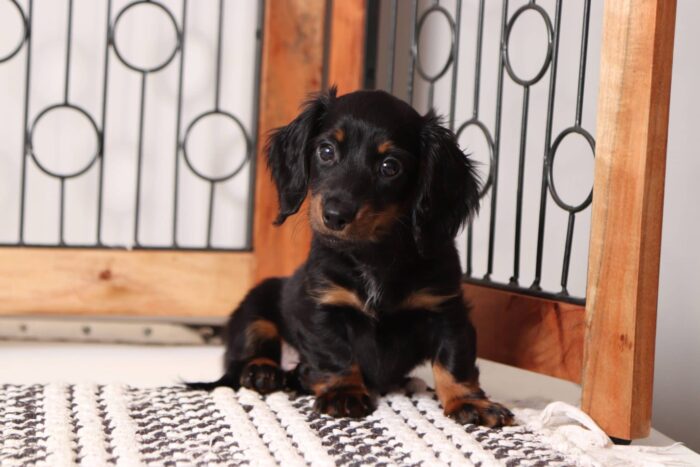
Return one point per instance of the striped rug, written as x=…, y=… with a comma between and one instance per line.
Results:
x=101, y=425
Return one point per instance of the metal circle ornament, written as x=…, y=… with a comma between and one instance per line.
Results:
x=550, y=44
x=550, y=169
x=44, y=166
x=23, y=37
x=489, y=141
x=199, y=120
x=434, y=10
x=131, y=9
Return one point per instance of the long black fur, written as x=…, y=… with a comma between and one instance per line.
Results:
x=384, y=339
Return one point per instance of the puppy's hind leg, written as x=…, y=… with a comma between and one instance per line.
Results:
x=253, y=343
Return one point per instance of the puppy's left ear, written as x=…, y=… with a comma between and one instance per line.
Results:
x=448, y=186
x=289, y=149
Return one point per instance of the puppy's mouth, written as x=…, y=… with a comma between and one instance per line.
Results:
x=369, y=225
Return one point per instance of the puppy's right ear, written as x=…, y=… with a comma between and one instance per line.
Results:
x=289, y=152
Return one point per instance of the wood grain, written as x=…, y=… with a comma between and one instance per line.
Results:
x=633, y=103
x=527, y=332
x=347, y=53
x=292, y=67
x=124, y=283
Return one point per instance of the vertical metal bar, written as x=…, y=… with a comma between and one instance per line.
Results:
x=477, y=63
x=470, y=234
x=178, y=129
x=431, y=94
x=255, y=124
x=547, y=147
x=220, y=33
x=327, y=43
x=455, y=64
x=521, y=175
x=137, y=209
x=567, y=253
x=582, y=61
x=100, y=186
x=210, y=215
x=475, y=115
x=27, y=87
x=69, y=33
x=392, y=46
x=61, y=211
x=413, y=40
x=497, y=143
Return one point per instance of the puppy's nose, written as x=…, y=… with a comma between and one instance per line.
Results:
x=336, y=214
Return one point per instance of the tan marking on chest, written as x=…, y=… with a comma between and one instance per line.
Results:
x=336, y=295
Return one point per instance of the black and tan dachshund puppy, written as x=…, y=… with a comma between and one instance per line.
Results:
x=380, y=291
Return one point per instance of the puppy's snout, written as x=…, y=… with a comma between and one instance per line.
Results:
x=338, y=214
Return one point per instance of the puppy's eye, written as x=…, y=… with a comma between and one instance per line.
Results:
x=390, y=168
x=326, y=153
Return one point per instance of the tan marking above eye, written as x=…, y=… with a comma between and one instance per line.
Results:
x=336, y=295
x=425, y=299
x=339, y=135
x=384, y=147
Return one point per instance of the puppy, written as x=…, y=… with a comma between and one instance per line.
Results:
x=380, y=291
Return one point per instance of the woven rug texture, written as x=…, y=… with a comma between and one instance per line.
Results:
x=102, y=425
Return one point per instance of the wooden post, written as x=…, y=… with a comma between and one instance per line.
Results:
x=293, y=50
x=633, y=103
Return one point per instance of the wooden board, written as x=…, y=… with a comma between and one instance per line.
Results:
x=530, y=333
x=347, y=47
x=292, y=67
x=123, y=283
x=636, y=61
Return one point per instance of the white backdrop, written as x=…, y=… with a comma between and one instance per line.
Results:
x=218, y=148
x=64, y=141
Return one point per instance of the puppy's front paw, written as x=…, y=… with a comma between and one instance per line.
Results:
x=480, y=412
x=344, y=402
x=262, y=375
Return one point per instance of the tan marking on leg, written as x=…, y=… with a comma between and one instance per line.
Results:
x=262, y=361
x=350, y=381
x=257, y=332
x=425, y=299
x=451, y=392
x=261, y=329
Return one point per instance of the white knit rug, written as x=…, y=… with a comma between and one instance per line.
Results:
x=89, y=425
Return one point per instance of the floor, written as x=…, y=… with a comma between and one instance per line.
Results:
x=152, y=365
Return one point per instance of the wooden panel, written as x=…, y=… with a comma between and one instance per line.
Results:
x=347, y=54
x=637, y=52
x=530, y=333
x=118, y=282
x=292, y=68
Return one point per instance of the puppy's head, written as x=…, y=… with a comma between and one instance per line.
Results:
x=373, y=166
